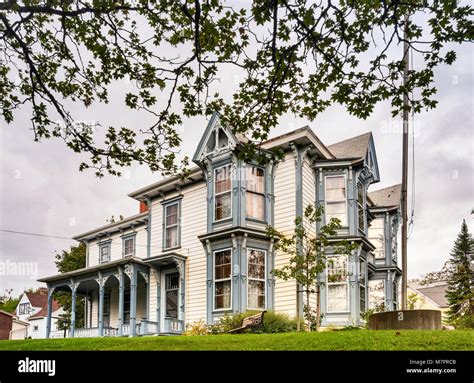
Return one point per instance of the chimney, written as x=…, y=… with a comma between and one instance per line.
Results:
x=143, y=207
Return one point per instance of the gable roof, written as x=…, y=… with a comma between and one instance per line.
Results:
x=435, y=293
x=386, y=197
x=40, y=299
x=355, y=147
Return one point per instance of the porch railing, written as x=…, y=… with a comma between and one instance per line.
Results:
x=126, y=329
x=173, y=326
x=148, y=327
x=58, y=334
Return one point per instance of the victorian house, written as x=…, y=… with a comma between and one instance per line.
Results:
x=198, y=248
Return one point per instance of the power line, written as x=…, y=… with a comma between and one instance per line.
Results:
x=34, y=234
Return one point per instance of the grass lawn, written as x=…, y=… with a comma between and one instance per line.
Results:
x=330, y=340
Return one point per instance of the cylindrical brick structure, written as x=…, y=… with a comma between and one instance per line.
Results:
x=406, y=320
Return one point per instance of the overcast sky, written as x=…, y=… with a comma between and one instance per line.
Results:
x=42, y=191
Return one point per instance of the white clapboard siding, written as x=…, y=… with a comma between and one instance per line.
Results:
x=193, y=223
x=116, y=246
x=285, y=205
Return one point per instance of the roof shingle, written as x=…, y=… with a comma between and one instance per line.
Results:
x=355, y=147
x=386, y=197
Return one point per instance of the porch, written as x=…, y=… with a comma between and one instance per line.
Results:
x=123, y=298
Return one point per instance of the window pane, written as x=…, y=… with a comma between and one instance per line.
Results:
x=255, y=206
x=223, y=179
x=337, y=269
x=128, y=246
x=256, y=264
x=256, y=294
x=376, y=293
x=223, y=209
x=376, y=236
x=337, y=297
x=222, y=266
x=335, y=189
x=337, y=210
x=255, y=178
x=171, y=237
x=222, y=294
x=172, y=214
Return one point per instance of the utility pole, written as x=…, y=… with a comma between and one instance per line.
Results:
x=406, y=60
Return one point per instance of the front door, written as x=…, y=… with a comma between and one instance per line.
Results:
x=170, y=299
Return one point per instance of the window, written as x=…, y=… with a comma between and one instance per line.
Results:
x=223, y=193
x=362, y=286
x=395, y=296
x=337, y=282
x=171, y=295
x=255, y=197
x=129, y=246
x=24, y=308
x=104, y=250
x=336, y=199
x=171, y=226
x=126, y=307
x=256, y=279
x=360, y=206
x=377, y=294
x=35, y=328
x=222, y=279
x=376, y=237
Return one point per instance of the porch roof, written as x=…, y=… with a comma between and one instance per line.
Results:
x=165, y=259
x=92, y=269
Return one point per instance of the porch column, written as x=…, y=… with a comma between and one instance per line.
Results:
x=181, y=266
x=100, y=280
x=133, y=300
x=49, y=311
x=72, y=325
x=121, y=300
x=157, y=274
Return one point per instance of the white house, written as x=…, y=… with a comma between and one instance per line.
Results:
x=198, y=249
x=32, y=310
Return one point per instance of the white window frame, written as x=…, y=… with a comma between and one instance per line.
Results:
x=177, y=225
x=24, y=308
x=247, y=192
x=264, y=280
x=221, y=280
x=338, y=283
x=325, y=197
x=217, y=194
x=126, y=238
x=104, y=246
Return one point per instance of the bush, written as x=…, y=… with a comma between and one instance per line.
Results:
x=196, y=328
x=272, y=323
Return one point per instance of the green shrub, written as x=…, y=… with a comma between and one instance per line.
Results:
x=272, y=323
x=196, y=328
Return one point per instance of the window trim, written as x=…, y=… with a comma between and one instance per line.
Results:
x=216, y=194
x=178, y=224
x=264, y=194
x=264, y=280
x=338, y=283
x=126, y=237
x=221, y=280
x=109, y=247
x=326, y=199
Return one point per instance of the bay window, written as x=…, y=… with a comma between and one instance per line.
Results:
x=336, y=199
x=222, y=279
x=376, y=236
x=360, y=207
x=255, y=196
x=337, y=283
x=256, y=279
x=222, y=193
x=171, y=223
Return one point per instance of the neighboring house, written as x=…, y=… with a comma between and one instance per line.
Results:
x=6, y=320
x=33, y=308
x=198, y=249
x=430, y=297
x=19, y=329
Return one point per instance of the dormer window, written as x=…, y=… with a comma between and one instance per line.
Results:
x=222, y=193
x=23, y=308
x=255, y=196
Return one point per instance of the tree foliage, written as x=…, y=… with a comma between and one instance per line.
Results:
x=296, y=56
x=8, y=303
x=308, y=256
x=460, y=292
x=70, y=260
